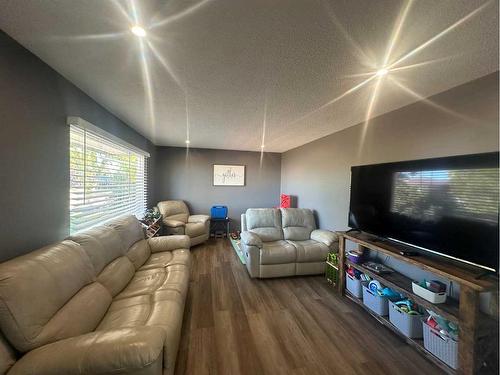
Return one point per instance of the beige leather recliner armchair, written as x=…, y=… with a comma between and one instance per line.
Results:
x=104, y=301
x=284, y=242
x=177, y=220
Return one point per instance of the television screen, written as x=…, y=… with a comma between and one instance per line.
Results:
x=445, y=205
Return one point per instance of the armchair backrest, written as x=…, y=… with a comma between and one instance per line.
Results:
x=265, y=222
x=297, y=223
x=174, y=210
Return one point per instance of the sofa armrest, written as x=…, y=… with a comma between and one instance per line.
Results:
x=251, y=239
x=252, y=259
x=169, y=243
x=173, y=223
x=198, y=219
x=324, y=236
x=126, y=350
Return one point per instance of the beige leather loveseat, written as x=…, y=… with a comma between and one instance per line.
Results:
x=284, y=242
x=105, y=301
x=178, y=220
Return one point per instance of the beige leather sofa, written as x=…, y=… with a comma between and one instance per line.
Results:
x=177, y=220
x=284, y=242
x=105, y=301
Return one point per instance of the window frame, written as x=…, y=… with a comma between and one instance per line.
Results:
x=116, y=143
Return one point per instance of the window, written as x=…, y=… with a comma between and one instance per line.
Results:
x=108, y=177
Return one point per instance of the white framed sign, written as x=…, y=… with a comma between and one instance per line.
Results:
x=229, y=175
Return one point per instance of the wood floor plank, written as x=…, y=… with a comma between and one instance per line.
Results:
x=295, y=326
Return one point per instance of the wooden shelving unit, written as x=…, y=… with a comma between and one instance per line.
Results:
x=474, y=326
x=416, y=343
x=152, y=228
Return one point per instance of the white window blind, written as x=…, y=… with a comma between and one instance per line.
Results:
x=107, y=178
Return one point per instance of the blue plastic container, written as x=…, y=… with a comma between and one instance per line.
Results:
x=218, y=212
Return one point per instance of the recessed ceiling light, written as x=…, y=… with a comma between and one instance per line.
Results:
x=139, y=31
x=382, y=72
x=187, y=141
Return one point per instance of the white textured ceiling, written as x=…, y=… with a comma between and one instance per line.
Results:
x=232, y=59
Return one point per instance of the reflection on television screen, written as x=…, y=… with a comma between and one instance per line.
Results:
x=431, y=195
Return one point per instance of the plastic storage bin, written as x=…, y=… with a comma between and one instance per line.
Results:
x=427, y=294
x=354, y=286
x=218, y=212
x=374, y=302
x=409, y=325
x=445, y=348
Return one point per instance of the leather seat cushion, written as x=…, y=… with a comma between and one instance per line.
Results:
x=277, y=252
x=195, y=229
x=174, y=277
x=310, y=251
x=164, y=309
x=167, y=258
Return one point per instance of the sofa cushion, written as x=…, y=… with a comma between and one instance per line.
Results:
x=126, y=351
x=139, y=253
x=116, y=275
x=175, y=277
x=7, y=355
x=43, y=293
x=174, y=210
x=102, y=244
x=164, y=309
x=310, y=251
x=277, y=252
x=195, y=229
x=298, y=223
x=265, y=222
x=168, y=258
x=129, y=229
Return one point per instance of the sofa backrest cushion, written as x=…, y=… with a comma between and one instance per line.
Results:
x=129, y=229
x=298, y=223
x=139, y=253
x=265, y=222
x=103, y=244
x=116, y=275
x=49, y=295
x=174, y=210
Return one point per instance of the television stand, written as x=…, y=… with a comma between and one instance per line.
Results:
x=485, y=274
x=477, y=331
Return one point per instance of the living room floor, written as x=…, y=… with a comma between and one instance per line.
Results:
x=237, y=325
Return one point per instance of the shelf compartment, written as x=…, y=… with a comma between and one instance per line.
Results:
x=416, y=343
x=402, y=284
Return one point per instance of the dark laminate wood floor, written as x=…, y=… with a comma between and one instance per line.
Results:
x=237, y=325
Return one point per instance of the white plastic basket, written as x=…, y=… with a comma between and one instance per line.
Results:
x=427, y=294
x=410, y=325
x=354, y=286
x=374, y=302
x=445, y=348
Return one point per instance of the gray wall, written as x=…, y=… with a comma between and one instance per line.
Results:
x=34, y=142
x=318, y=173
x=187, y=175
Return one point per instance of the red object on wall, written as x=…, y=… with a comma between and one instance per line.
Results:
x=285, y=201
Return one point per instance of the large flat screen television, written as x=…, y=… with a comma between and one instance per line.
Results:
x=448, y=206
